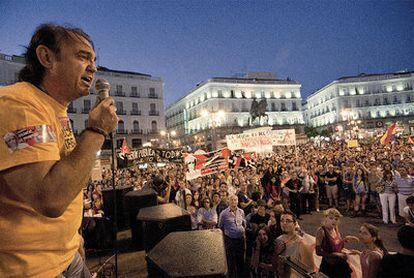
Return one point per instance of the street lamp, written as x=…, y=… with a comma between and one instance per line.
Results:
x=169, y=134
x=213, y=120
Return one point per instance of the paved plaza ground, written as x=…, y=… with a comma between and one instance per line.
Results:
x=132, y=263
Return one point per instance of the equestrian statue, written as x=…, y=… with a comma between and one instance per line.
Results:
x=258, y=110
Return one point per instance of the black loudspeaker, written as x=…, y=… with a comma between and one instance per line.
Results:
x=136, y=200
x=97, y=233
x=189, y=254
x=159, y=221
x=121, y=212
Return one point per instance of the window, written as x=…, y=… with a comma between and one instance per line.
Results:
x=135, y=106
x=154, y=126
x=273, y=106
x=220, y=93
x=119, y=107
x=134, y=91
x=396, y=99
x=152, y=93
x=121, y=126
x=283, y=106
x=136, y=142
x=86, y=123
x=346, y=104
x=119, y=89
x=346, y=91
x=294, y=106
x=87, y=104
x=136, y=126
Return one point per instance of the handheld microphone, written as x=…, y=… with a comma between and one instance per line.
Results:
x=102, y=87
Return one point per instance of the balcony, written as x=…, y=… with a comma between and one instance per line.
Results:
x=152, y=96
x=72, y=110
x=135, y=95
x=137, y=131
x=119, y=94
x=154, y=113
x=153, y=132
x=86, y=110
x=122, y=131
x=121, y=112
x=135, y=112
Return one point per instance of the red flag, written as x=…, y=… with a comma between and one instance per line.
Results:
x=389, y=134
x=125, y=149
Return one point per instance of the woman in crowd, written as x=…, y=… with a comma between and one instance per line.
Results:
x=291, y=245
x=330, y=244
x=388, y=197
x=373, y=252
x=206, y=215
x=192, y=210
x=261, y=260
x=361, y=190
x=196, y=199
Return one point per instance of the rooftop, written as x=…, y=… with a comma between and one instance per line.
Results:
x=105, y=69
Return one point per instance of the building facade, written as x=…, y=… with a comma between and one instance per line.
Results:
x=10, y=65
x=222, y=105
x=139, y=99
x=370, y=99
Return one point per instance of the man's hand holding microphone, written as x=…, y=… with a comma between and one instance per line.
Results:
x=102, y=117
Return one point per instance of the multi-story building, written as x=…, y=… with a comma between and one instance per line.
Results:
x=370, y=99
x=139, y=100
x=9, y=68
x=223, y=104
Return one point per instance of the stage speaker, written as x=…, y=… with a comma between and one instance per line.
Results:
x=189, y=254
x=135, y=201
x=97, y=233
x=108, y=205
x=159, y=221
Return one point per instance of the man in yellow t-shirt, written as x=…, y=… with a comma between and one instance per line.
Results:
x=42, y=167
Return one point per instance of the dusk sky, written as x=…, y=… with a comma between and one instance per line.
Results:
x=187, y=42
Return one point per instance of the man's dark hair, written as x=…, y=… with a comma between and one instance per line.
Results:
x=405, y=237
x=410, y=200
x=291, y=214
x=277, y=202
x=51, y=36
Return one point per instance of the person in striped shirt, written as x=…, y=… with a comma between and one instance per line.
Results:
x=405, y=187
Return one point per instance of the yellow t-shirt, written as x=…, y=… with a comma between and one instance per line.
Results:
x=33, y=128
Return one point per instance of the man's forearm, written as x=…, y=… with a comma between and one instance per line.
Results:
x=68, y=176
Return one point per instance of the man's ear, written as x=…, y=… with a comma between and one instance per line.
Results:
x=46, y=56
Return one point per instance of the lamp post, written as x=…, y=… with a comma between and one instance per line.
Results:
x=351, y=124
x=213, y=120
x=168, y=134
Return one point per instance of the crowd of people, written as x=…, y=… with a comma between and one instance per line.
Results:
x=261, y=205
